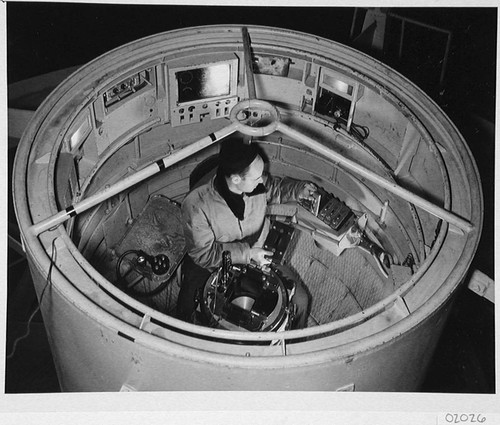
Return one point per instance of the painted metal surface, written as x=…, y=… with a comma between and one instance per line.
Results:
x=103, y=340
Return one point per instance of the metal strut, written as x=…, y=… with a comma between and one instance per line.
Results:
x=237, y=125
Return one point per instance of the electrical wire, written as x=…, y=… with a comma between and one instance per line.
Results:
x=121, y=281
x=28, y=325
x=360, y=132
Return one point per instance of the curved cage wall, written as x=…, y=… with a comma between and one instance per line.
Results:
x=154, y=110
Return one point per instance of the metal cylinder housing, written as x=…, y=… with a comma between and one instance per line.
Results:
x=125, y=110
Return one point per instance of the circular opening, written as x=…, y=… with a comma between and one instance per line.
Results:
x=392, y=262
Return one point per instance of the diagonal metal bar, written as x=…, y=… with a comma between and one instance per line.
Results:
x=137, y=177
x=248, y=64
x=392, y=187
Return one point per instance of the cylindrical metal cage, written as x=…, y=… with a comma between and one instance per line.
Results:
x=121, y=116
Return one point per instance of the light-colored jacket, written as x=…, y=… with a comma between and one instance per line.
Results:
x=210, y=227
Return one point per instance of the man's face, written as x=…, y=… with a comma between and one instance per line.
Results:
x=249, y=181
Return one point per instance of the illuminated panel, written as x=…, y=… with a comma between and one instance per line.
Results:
x=337, y=96
x=337, y=85
x=203, y=83
x=202, y=91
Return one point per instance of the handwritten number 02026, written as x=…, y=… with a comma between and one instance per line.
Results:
x=454, y=418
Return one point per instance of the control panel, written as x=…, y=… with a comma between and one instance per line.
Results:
x=277, y=240
x=128, y=87
x=204, y=88
x=331, y=211
x=197, y=112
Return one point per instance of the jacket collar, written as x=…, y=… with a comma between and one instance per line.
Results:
x=234, y=201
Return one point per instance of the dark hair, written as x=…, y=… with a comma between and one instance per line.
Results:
x=235, y=156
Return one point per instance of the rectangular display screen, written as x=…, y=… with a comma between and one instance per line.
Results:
x=203, y=83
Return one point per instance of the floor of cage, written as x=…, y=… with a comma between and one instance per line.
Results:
x=338, y=286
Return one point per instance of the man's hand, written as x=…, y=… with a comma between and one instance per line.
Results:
x=307, y=193
x=260, y=256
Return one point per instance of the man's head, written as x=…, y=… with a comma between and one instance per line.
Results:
x=241, y=164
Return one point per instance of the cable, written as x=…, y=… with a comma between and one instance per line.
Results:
x=28, y=325
x=120, y=280
x=118, y=274
x=360, y=132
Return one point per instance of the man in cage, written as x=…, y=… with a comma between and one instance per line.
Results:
x=228, y=214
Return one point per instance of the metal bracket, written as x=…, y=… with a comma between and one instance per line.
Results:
x=482, y=285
